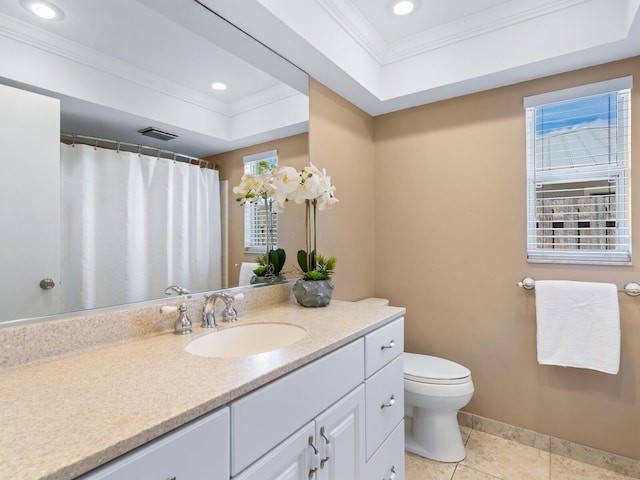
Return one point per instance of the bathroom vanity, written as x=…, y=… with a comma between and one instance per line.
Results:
x=329, y=406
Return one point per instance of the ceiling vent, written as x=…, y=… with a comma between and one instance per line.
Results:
x=159, y=134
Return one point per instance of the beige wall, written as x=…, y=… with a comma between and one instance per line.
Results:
x=292, y=151
x=450, y=247
x=341, y=140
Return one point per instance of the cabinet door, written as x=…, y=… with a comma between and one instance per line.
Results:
x=196, y=451
x=30, y=227
x=293, y=459
x=340, y=438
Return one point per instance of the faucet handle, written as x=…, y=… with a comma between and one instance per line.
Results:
x=183, y=323
x=229, y=314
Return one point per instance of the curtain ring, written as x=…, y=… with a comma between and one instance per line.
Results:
x=158, y=154
x=73, y=140
x=175, y=157
x=139, y=149
x=95, y=145
x=118, y=148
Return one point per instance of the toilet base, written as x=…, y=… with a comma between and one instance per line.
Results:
x=446, y=446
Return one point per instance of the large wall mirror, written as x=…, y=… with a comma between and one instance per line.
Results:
x=113, y=69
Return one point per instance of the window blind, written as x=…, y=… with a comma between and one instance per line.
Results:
x=255, y=214
x=578, y=169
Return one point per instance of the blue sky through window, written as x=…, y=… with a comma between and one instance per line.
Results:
x=560, y=117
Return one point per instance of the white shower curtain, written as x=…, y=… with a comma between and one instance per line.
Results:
x=135, y=224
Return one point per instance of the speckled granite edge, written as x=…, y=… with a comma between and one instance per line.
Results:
x=592, y=456
x=35, y=342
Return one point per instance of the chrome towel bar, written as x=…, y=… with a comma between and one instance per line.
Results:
x=631, y=288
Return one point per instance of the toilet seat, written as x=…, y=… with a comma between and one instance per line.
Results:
x=434, y=370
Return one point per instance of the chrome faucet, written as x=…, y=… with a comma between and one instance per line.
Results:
x=229, y=314
x=177, y=289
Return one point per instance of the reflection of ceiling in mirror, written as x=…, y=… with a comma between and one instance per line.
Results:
x=120, y=66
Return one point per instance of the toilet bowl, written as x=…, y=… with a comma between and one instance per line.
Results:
x=434, y=390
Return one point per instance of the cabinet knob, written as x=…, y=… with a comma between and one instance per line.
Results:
x=390, y=403
x=47, y=283
x=391, y=344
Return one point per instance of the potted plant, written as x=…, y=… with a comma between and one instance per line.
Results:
x=270, y=267
x=271, y=186
x=315, y=288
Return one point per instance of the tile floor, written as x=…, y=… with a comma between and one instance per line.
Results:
x=494, y=458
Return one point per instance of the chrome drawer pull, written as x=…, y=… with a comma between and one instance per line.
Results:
x=314, y=460
x=392, y=344
x=393, y=474
x=315, y=449
x=328, y=448
x=392, y=400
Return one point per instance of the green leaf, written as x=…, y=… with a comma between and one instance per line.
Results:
x=302, y=260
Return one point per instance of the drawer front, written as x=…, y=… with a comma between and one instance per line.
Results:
x=384, y=403
x=264, y=418
x=383, y=345
x=388, y=461
x=192, y=452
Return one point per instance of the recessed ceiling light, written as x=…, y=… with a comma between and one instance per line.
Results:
x=403, y=7
x=43, y=9
x=218, y=86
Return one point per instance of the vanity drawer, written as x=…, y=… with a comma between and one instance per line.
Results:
x=388, y=461
x=384, y=403
x=197, y=450
x=267, y=416
x=383, y=345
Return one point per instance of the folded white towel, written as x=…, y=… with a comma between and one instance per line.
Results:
x=246, y=272
x=578, y=325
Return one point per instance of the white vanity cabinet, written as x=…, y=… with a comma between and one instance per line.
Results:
x=196, y=451
x=339, y=417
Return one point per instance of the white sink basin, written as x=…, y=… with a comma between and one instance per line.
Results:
x=245, y=340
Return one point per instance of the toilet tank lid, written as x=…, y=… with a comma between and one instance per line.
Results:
x=428, y=369
x=374, y=301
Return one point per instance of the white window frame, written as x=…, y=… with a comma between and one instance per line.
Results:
x=618, y=174
x=253, y=242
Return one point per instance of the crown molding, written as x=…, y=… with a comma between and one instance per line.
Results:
x=263, y=98
x=480, y=23
x=353, y=22
x=349, y=18
x=60, y=47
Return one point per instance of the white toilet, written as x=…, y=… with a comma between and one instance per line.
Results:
x=434, y=390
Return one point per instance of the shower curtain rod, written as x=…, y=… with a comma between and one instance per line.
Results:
x=88, y=140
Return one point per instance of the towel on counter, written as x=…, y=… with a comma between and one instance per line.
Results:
x=246, y=272
x=578, y=325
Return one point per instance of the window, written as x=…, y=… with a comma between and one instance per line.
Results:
x=578, y=174
x=255, y=214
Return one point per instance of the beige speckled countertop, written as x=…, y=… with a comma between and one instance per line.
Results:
x=63, y=417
